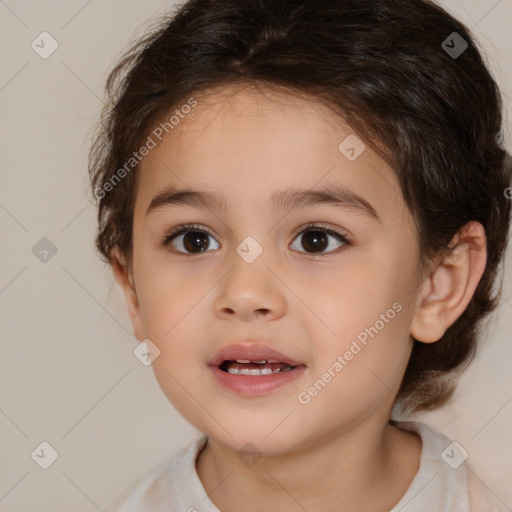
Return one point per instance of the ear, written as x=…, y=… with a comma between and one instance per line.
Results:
x=124, y=276
x=449, y=289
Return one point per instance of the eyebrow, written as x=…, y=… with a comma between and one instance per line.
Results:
x=281, y=200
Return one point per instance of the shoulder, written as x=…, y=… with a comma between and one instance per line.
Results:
x=482, y=497
x=163, y=486
x=444, y=480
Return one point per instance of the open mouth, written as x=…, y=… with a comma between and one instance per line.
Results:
x=246, y=367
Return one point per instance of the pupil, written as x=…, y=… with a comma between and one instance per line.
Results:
x=194, y=237
x=318, y=240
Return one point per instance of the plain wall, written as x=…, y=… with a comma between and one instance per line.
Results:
x=68, y=374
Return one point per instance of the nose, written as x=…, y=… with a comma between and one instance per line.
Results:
x=250, y=292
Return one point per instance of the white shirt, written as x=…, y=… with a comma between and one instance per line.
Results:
x=443, y=483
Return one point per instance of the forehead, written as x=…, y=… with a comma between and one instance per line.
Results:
x=244, y=144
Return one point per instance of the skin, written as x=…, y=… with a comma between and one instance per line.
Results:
x=338, y=452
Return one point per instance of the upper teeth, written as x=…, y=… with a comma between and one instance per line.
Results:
x=235, y=367
x=246, y=371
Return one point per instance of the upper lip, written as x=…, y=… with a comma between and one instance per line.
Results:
x=251, y=351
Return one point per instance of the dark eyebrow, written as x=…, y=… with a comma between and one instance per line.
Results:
x=280, y=200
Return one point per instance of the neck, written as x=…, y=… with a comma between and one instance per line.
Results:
x=367, y=467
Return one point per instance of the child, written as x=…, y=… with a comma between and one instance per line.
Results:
x=304, y=203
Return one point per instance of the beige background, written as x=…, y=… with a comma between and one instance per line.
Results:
x=68, y=374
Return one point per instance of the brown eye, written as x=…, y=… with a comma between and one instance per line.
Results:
x=189, y=240
x=316, y=239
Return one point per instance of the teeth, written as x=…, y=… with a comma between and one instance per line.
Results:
x=247, y=371
x=246, y=361
x=247, y=367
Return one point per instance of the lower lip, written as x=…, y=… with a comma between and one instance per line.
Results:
x=255, y=385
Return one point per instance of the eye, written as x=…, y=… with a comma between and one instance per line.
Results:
x=191, y=239
x=315, y=238
x=194, y=241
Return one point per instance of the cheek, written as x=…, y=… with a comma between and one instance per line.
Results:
x=351, y=378
x=170, y=313
x=168, y=298
x=351, y=295
x=178, y=387
x=364, y=321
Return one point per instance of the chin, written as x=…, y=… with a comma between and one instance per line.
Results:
x=256, y=437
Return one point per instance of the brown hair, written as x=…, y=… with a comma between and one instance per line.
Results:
x=393, y=69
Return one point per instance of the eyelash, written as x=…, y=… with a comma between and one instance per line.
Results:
x=184, y=228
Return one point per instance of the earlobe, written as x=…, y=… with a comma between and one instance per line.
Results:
x=123, y=273
x=450, y=287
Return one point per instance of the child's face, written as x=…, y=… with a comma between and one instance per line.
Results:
x=309, y=306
